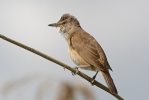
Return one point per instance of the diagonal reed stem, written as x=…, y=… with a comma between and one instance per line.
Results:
x=89, y=79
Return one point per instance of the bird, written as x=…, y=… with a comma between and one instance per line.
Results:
x=83, y=48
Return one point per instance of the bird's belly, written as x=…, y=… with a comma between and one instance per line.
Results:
x=79, y=61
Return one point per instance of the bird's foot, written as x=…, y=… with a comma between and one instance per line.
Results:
x=93, y=78
x=74, y=73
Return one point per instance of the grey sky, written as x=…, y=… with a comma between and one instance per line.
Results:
x=120, y=26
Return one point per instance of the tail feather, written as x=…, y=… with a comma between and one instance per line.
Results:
x=109, y=82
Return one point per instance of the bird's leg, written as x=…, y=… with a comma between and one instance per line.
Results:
x=76, y=68
x=93, y=78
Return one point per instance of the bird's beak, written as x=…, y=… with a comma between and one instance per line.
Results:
x=53, y=25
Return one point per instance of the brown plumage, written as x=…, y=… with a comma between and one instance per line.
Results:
x=84, y=50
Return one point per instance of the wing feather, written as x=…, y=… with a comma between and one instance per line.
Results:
x=89, y=49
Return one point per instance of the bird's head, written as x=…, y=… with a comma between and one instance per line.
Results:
x=66, y=23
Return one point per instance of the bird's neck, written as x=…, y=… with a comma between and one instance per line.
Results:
x=68, y=32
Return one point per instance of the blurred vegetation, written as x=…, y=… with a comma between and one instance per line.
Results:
x=32, y=87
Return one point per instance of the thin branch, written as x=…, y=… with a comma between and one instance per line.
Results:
x=89, y=79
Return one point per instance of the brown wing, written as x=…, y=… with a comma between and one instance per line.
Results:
x=89, y=49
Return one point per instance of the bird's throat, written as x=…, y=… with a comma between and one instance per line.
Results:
x=65, y=32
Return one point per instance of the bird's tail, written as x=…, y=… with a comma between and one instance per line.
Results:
x=109, y=82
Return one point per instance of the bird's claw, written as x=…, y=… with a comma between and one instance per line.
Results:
x=93, y=78
x=74, y=73
x=92, y=82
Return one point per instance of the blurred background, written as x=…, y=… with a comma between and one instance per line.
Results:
x=40, y=87
x=121, y=27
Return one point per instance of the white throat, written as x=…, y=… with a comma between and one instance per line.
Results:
x=65, y=32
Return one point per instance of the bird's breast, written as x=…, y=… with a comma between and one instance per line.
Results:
x=78, y=60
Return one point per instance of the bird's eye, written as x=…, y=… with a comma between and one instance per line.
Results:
x=64, y=23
